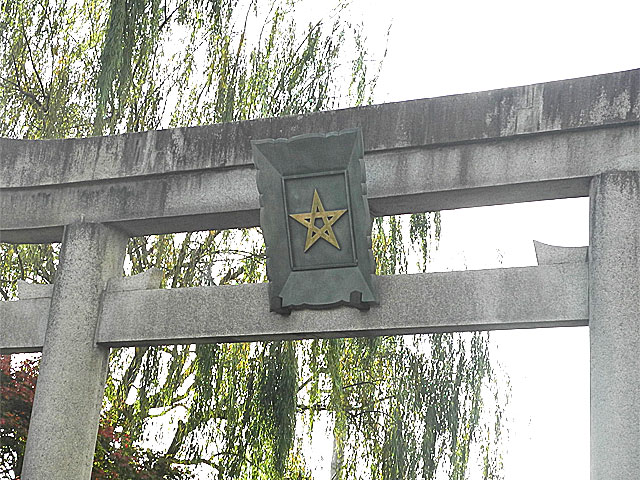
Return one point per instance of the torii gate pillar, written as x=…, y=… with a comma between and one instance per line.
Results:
x=73, y=369
x=614, y=325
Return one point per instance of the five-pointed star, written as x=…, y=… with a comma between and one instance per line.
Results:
x=309, y=220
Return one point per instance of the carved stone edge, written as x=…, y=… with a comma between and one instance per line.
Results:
x=552, y=254
x=147, y=280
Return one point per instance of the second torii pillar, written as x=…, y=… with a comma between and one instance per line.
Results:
x=614, y=325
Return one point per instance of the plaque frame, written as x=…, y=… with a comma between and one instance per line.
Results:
x=290, y=172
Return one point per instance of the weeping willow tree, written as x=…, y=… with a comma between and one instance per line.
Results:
x=395, y=407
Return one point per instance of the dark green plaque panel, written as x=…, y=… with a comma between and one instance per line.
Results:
x=315, y=220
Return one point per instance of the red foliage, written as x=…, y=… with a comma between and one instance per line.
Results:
x=17, y=387
x=116, y=456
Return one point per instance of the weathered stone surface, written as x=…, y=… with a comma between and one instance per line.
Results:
x=554, y=295
x=519, y=144
x=73, y=369
x=146, y=280
x=551, y=254
x=614, y=326
x=547, y=296
x=23, y=325
x=28, y=290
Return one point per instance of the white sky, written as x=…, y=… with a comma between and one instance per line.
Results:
x=441, y=47
x=549, y=368
x=446, y=47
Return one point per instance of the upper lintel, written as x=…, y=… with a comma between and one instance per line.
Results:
x=516, y=144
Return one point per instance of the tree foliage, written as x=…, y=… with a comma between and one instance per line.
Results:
x=116, y=455
x=397, y=407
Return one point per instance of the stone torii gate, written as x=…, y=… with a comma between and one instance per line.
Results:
x=554, y=140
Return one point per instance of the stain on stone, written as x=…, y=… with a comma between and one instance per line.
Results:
x=606, y=108
x=626, y=181
x=463, y=166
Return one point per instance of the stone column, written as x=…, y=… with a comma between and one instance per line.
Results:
x=73, y=369
x=614, y=325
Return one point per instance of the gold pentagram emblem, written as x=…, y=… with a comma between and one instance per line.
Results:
x=315, y=233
